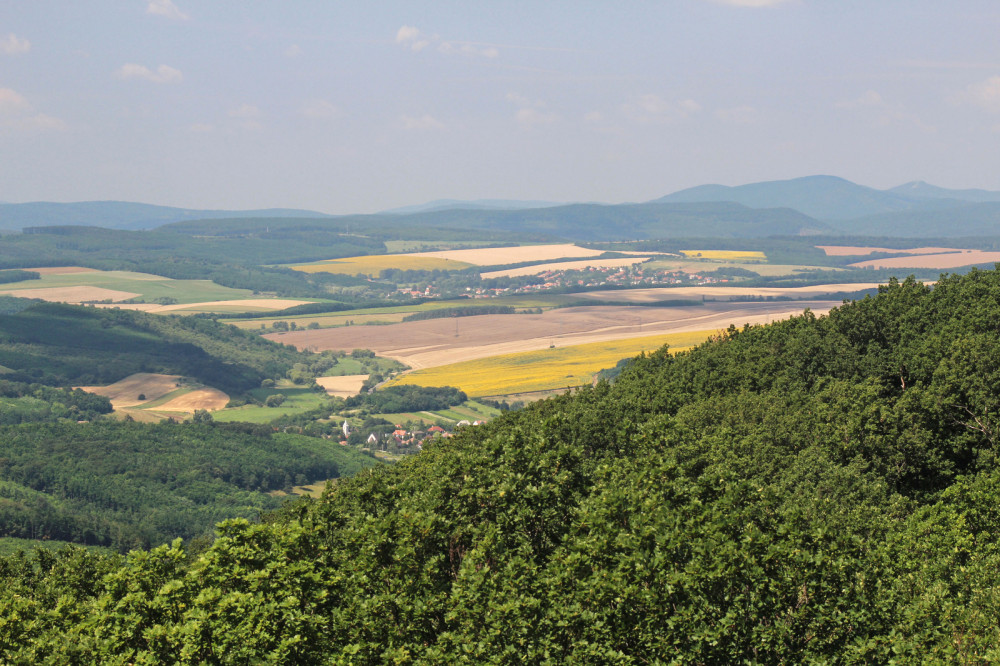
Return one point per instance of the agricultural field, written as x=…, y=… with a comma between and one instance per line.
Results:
x=722, y=293
x=373, y=265
x=564, y=266
x=855, y=251
x=342, y=386
x=68, y=285
x=400, y=246
x=763, y=269
x=726, y=255
x=297, y=401
x=150, y=397
x=392, y=315
x=546, y=369
x=499, y=256
x=942, y=261
x=434, y=342
x=231, y=306
x=470, y=410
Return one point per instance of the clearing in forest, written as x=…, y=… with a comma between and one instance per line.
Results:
x=166, y=393
x=344, y=386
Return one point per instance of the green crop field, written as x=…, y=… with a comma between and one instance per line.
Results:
x=150, y=287
x=297, y=401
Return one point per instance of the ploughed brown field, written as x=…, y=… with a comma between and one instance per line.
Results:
x=942, y=261
x=433, y=342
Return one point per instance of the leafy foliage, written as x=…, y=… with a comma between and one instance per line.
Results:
x=61, y=345
x=130, y=485
x=817, y=490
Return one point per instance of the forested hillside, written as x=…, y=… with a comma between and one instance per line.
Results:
x=131, y=485
x=816, y=490
x=67, y=345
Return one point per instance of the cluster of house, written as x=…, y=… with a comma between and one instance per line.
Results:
x=599, y=277
x=403, y=438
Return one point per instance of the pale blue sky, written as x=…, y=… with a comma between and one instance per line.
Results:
x=360, y=106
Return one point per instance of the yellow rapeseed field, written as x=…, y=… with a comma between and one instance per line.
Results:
x=545, y=369
x=373, y=265
x=730, y=255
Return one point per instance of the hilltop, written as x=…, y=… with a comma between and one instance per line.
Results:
x=815, y=490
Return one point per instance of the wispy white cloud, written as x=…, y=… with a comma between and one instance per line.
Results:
x=12, y=101
x=656, y=109
x=293, y=51
x=201, y=128
x=412, y=38
x=248, y=116
x=163, y=73
x=424, y=122
x=11, y=44
x=17, y=113
x=984, y=94
x=320, y=109
x=531, y=113
x=166, y=8
x=416, y=40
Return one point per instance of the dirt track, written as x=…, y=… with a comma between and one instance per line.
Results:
x=433, y=342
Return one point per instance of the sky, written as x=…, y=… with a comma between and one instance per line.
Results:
x=360, y=106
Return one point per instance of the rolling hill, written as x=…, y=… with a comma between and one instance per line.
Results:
x=119, y=214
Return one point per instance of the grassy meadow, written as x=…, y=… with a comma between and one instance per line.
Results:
x=151, y=287
x=297, y=401
x=544, y=369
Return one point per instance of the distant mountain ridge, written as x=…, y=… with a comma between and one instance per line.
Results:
x=833, y=198
x=120, y=214
x=474, y=204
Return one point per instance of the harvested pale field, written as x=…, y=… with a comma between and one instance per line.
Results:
x=126, y=392
x=433, y=342
x=854, y=250
x=79, y=294
x=62, y=270
x=564, y=266
x=729, y=255
x=200, y=398
x=342, y=387
x=372, y=265
x=715, y=293
x=942, y=261
x=240, y=305
x=498, y=256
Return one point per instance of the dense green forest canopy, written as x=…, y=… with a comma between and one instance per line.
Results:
x=815, y=490
x=67, y=345
x=130, y=485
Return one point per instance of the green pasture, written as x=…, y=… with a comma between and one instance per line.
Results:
x=297, y=401
x=150, y=287
x=470, y=410
x=763, y=269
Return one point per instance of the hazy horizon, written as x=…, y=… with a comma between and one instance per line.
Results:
x=363, y=107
